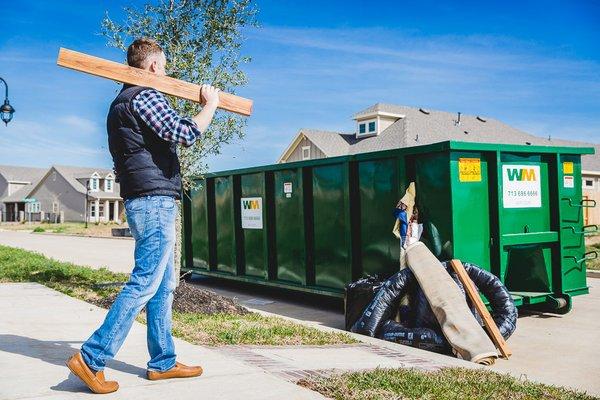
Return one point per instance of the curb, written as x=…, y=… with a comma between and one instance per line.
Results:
x=86, y=236
x=593, y=274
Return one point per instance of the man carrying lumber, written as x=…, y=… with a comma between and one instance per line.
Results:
x=143, y=133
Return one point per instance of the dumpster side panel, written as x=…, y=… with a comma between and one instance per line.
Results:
x=434, y=201
x=199, y=231
x=289, y=226
x=471, y=207
x=332, y=259
x=573, y=271
x=379, y=193
x=252, y=186
x=225, y=231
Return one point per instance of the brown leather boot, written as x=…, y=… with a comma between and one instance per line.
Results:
x=178, y=371
x=94, y=381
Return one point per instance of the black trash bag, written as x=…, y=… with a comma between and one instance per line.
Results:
x=421, y=338
x=357, y=297
x=385, y=303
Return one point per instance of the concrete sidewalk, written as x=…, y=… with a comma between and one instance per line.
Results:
x=40, y=328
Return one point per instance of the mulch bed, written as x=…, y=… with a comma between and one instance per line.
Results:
x=189, y=298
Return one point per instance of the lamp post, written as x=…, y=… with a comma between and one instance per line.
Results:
x=87, y=194
x=6, y=111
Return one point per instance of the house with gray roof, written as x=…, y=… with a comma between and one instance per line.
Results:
x=65, y=193
x=388, y=126
x=15, y=180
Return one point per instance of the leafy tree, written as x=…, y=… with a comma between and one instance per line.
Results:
x=202, y=40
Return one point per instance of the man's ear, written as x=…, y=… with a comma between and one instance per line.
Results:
x=153, y=66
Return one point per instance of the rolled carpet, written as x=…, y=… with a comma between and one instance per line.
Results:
x=459, y=326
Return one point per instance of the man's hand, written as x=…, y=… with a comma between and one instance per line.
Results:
x=209, y=95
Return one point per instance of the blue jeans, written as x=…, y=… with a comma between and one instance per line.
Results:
x=151, y=284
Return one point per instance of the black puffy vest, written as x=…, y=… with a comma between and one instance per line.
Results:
x=144, y=163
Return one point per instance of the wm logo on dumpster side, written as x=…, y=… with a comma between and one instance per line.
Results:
x=250, y=205
x=521, y=174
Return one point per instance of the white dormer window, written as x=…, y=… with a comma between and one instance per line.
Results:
x=368, y=127
x=95, y=182
x=109, y=183
x=305, y=153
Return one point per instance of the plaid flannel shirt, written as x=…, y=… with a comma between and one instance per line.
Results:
x=154, y=109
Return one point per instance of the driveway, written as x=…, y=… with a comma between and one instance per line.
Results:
x=115, y=254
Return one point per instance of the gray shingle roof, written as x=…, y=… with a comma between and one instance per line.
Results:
x=21, y=174
x=420, y=127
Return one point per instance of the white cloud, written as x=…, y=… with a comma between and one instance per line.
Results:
x=79, y=124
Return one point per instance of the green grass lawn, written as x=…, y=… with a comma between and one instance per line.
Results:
x=593, y=264
x=447, y=384
x=17, y=265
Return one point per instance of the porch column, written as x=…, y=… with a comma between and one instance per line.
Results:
x=116, y=212
x=97, y=207
x=106, y=211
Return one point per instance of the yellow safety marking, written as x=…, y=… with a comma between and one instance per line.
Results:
x=567, y=167
x=469, y=169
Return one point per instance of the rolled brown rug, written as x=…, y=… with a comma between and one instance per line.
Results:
x=459, y=326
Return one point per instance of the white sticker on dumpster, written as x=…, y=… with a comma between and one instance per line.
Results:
x=252, y=217
x=521, y=186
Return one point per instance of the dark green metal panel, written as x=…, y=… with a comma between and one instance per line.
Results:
x=225, y=230
x=289, y=226
x=470, y=207
x=379, y=192
x=332, y=259
x=199, y=233
x=253, y=239
x=432, y=178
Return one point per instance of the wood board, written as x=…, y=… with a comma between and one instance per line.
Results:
x=488, y=321
x=136, y=76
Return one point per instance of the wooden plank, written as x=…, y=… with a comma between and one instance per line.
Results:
x=136, y=76
x=488, y=321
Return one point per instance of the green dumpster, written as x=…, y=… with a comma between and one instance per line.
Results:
x=317, y=225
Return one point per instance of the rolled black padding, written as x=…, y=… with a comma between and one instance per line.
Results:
x=384, y=303
x=357, y=297
x=422, y=338
x=504, y=312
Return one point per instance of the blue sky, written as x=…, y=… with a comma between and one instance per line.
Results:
x=532, y=64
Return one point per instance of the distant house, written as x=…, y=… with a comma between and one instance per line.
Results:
x=388, y=126
x=15, y=180
x=60, y=195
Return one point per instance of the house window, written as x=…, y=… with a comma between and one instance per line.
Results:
x=305, y=152
x=92, y=210
x=362, y=128
x=33, y=207
x=94, y=184
x=55, y=207
x=108, y=185
x=371, y=127
x=588, y=183
x=101, y=210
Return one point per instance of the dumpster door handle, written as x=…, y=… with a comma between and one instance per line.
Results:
x=584, y=230
x=583, y=203
x=590, y=255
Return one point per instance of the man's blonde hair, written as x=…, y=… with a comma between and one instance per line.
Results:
x=141, y=50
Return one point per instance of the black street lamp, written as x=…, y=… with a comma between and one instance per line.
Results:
x=6, y=111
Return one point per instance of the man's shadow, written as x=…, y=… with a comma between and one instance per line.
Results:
x=57, y=353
